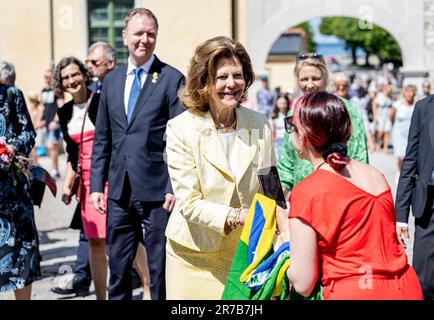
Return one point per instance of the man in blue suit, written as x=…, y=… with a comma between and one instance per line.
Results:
x=136, y=102
x=415, y=191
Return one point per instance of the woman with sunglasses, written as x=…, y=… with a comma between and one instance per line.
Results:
x=342, y=217
x=312, y=76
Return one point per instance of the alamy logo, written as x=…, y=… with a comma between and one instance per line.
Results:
x=365, y=281
x=66, y=273
x=366, y=17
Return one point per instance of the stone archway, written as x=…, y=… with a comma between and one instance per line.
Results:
x=404, y=20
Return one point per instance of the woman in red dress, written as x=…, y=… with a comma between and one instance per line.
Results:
x=72, y=76
x=341, y=223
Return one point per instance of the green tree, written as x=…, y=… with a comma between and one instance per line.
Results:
x=373, y=40
x=311, y=45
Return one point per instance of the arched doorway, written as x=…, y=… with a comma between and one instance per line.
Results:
x=402, y=19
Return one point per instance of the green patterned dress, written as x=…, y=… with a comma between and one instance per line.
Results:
x=292, y=169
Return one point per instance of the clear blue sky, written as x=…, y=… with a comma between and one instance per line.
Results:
x=329, y=45
x=320, y=38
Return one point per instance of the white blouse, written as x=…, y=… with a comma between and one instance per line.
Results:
x=227, y=139
x=76, y=122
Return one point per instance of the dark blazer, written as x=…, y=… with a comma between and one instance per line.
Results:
x=136, y=148
x=418, y=163
x=65, y=115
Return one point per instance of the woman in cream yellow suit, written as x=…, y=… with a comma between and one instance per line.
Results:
x=213, y=151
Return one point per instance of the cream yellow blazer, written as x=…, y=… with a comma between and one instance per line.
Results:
x=201, y=177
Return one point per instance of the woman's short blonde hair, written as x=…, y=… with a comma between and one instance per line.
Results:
x=318, y=63
x=195, y=95
x=340, y=77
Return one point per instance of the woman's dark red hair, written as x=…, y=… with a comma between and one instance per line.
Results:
x=325, y=120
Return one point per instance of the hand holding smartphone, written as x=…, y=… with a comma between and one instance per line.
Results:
x=271, y=187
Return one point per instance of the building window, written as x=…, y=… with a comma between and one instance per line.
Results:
x=106, y=22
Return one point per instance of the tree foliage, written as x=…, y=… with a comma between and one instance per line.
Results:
x=373, y=40
x=311, y=45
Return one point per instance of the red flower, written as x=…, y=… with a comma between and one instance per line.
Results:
x=5, y=157
x=4, y=150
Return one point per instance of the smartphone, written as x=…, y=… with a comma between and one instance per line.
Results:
x=270, y=185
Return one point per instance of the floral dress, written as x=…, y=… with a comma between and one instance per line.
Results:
x=19, y=253
x=292, y=169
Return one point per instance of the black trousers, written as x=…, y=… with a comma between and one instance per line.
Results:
x=423, y=248
x=82, y=266
x=127, y=220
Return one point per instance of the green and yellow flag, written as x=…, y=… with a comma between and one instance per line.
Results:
x=257, y=272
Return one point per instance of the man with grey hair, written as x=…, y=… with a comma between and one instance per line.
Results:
x=7, y=73
x=426, y=89
x=101, y=59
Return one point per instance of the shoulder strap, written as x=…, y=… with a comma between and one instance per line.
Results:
x=89, y=100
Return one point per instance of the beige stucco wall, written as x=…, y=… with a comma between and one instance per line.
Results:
x=24, y=40
x=280, y=74
x=242, y=21
x=25, y=37
x=69, y=31
x=185, y=24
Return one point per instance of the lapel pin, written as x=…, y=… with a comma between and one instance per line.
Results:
x=206, y=132
x=154, y=77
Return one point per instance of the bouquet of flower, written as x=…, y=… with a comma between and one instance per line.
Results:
x=19, y=164
x=5, y=156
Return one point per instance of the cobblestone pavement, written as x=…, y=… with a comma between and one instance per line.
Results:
x=58, y=243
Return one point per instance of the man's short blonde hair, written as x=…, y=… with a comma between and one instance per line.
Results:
x=142, y=12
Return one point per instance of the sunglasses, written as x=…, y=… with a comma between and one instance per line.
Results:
x=305, y=56
x=95, y=62
x=289, y=124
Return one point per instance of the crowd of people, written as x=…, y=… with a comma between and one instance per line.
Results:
x=384, y=107
x=175, y=223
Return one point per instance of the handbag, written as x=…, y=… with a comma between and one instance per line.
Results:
x=76, y=188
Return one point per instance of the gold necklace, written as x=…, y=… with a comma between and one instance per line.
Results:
x=227, y=129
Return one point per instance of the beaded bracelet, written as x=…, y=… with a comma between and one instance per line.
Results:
x=234, y=218
x=237, y=220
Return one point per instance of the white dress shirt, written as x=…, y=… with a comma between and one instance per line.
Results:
x=130, y=78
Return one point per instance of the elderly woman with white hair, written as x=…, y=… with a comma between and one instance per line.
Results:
x=7, y=73
x=19, y=245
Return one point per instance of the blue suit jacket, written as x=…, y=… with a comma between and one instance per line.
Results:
x=418, y=163
x=136, y=148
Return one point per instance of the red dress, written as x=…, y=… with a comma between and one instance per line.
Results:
x=94, y=223
x=359, y=253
